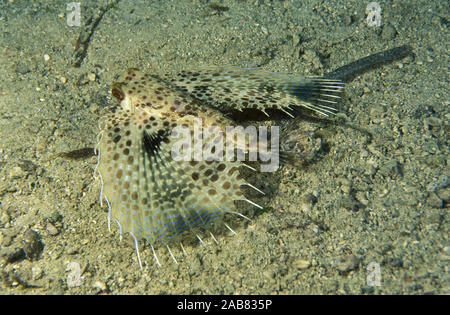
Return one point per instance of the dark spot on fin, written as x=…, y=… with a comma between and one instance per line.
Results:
x=152, y=142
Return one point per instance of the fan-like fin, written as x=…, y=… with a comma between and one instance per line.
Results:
x=230, y=88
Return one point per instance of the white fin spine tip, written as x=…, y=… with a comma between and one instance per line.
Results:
x=182, y=248
x=154, y=254
x=248, y=166
x=286, y=112
x=240, y=214
x=254, y=204
x=171, y=255
x=137, y=250
x=201, y=242
x=330, y=95
x=265, y=112
x=251, y=186
x=214, y=239
x=326, y=101
x=231, y=230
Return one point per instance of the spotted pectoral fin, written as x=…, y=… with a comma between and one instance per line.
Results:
x=183, y=194
x=163, y=184
x=153, y=195
x=233, y=88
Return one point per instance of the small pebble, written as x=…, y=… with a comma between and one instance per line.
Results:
x=269, y=274
x=32, y=245
x=296, y=39
x=264, y=30
x=11, y=254
x=390, y=168
x=51, y=229
x=17, y=172
x=37, y=273
x=307, y=202
x=310, y=56
x=346, y=185
x=91, y=77
x=444, y=193
x=101, y=286
x=434, y=201
x=388, y=33
x=301, y=264
x=347, y=264
x=437, y=21
x=438, y=183
x=4, y=219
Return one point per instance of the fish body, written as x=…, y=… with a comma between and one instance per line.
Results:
x=155, y=193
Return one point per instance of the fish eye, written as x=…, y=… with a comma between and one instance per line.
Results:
x=117, y=93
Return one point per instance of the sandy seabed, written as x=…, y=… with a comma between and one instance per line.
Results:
x=366, y=215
